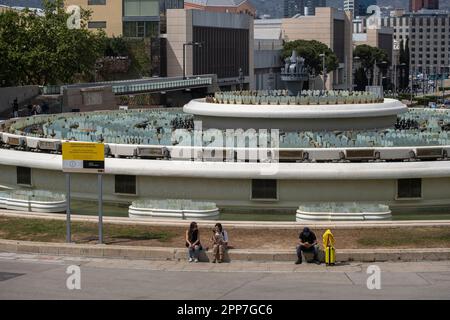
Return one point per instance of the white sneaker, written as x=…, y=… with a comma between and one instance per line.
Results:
x=196, y=260
x=190, y=260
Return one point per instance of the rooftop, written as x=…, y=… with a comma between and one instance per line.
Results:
x=217, y=3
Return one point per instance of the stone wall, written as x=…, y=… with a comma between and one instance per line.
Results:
x=23, y=94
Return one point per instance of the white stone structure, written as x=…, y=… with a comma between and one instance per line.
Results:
x=296, y=117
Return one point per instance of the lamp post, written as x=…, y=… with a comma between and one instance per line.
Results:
x=355, y=60
x=199, y=44
x=402, y=74
x=380, y=75
x=324, y=70
x=241, y=79
x=412, y=85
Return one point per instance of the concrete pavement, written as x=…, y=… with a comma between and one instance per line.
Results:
x=27, y=276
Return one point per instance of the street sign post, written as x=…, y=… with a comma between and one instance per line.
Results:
x=84, y=157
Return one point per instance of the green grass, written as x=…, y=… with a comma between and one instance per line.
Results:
x=55, y=231
x=419, y=238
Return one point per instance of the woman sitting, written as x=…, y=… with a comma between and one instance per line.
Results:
x=220, y=242
x=193, y=242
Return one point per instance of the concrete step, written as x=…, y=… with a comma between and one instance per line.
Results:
x=158, y=253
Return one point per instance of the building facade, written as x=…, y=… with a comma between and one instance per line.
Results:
x=136, y=19
x=333, y=28
x=268, y=54
x=416, y=5
x=428, y=36
x=227, y=6
x=353, y=6
x=302, y=7
x=226, y=46
x=128, y=18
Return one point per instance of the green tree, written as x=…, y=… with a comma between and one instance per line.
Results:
x=368, y=57
x=116, y=46
x=310, y=51
x=42, y=50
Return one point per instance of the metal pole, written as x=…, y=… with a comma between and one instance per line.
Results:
x=412, y=85
x=323, y=70
x=68, y=231
x=184, y=61
x=100, y=209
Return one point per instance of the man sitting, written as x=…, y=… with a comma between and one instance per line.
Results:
x=307, y=243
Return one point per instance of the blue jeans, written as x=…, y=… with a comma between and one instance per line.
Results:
x=194, y=252
x=313, y=248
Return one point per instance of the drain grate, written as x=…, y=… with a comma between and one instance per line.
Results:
x=7, y=275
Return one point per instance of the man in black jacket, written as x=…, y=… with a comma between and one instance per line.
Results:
x=308, y=243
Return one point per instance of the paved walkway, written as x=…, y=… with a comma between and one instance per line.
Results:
x=24, y=276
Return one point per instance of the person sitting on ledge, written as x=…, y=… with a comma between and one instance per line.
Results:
x=307, y=243
x=220, y=242
x=193, y=242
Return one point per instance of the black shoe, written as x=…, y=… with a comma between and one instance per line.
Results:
x=317, y=262
x=298, y=261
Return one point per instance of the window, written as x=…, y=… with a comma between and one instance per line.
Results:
x=24, y=176
x=409, y=188
x=264, y=189
x=140, y=29
x=97, y=24
x=125, y=184
x=96, y=2
x=141, y=8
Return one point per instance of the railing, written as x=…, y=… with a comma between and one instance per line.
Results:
x=164, y=85
x=137, y=85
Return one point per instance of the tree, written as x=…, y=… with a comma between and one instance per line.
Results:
x=41, y=50
x=368, y=57
x=310, y=51
x=115, y=47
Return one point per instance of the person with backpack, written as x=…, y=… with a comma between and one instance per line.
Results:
x=220, y=242
x=307, y=243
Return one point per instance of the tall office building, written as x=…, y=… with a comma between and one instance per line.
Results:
x=226, y=51
x=428, y=35
x=293, y=7
x=416, y=5
x=302, y=7
x=358, y=7
x=311, y=5
x=353, y=6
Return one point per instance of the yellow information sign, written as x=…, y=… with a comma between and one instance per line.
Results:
x=83, y=157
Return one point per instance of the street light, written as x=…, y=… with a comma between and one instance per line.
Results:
x=383, y=63
x=355, y=60
x=198, y=44
x=324, y=70
x=241, y=79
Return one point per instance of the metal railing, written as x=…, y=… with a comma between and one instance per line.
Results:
x=138, y=85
